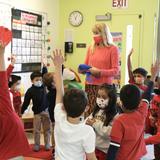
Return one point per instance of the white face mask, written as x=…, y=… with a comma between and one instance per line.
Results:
x=38, y=83
x=102, y=103
x=18, y=87
x=139, y=80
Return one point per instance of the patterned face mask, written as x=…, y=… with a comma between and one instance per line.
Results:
x=102, y=103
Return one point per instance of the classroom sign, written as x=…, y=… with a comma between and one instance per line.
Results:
x=122, y=4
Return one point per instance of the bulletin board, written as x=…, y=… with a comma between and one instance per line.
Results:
x=28, y=41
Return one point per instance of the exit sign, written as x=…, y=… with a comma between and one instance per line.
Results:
x=120, y=4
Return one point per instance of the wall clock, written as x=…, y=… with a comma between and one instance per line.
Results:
x=75, y=18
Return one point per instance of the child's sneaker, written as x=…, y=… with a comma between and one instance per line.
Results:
x=47, y=147
x=36, y=147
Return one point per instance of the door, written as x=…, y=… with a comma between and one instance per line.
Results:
x=130, y=26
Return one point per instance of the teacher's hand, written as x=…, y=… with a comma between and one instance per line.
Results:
x=95, y=72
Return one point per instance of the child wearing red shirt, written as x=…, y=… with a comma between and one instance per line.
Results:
x=13, y=141
x=127, y=135
x=136, y=76
x=155, y=121
x=14, y=85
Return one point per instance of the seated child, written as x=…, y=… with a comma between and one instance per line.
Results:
x=38, y=95
x=74, y=140
x=13, y=141
x=127, y=135
x=102, y=117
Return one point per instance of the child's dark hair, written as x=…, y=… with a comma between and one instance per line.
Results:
x=110, y=111
x=141, y=71
x=148, y=76
x=13, y=79
x=130, y=96
x=75, y=102
x=35, y=74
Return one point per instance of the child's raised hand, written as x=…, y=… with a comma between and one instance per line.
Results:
x=155, y=68
x=131, y=52
x=13, y=59
x=43, y=60
x=57, y=58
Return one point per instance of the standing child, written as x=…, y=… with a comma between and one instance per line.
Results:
x=102, y=117
x=37, y=94
x=14, y=85
x=13, y=141
x=74, y=140
x=127, y=135
x=51, y=96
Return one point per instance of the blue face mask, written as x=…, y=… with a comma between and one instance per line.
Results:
x=38, y=83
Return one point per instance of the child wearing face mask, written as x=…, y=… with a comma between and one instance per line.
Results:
x=102, y=117
x=14, y=85
x=38, y=95
x=137, y=76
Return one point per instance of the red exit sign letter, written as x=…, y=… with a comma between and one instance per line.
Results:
x=119, y=3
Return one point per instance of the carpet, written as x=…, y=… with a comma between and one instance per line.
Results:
x=42, y=154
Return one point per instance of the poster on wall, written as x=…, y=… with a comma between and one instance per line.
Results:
x=117, y=39
x=27, y=43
